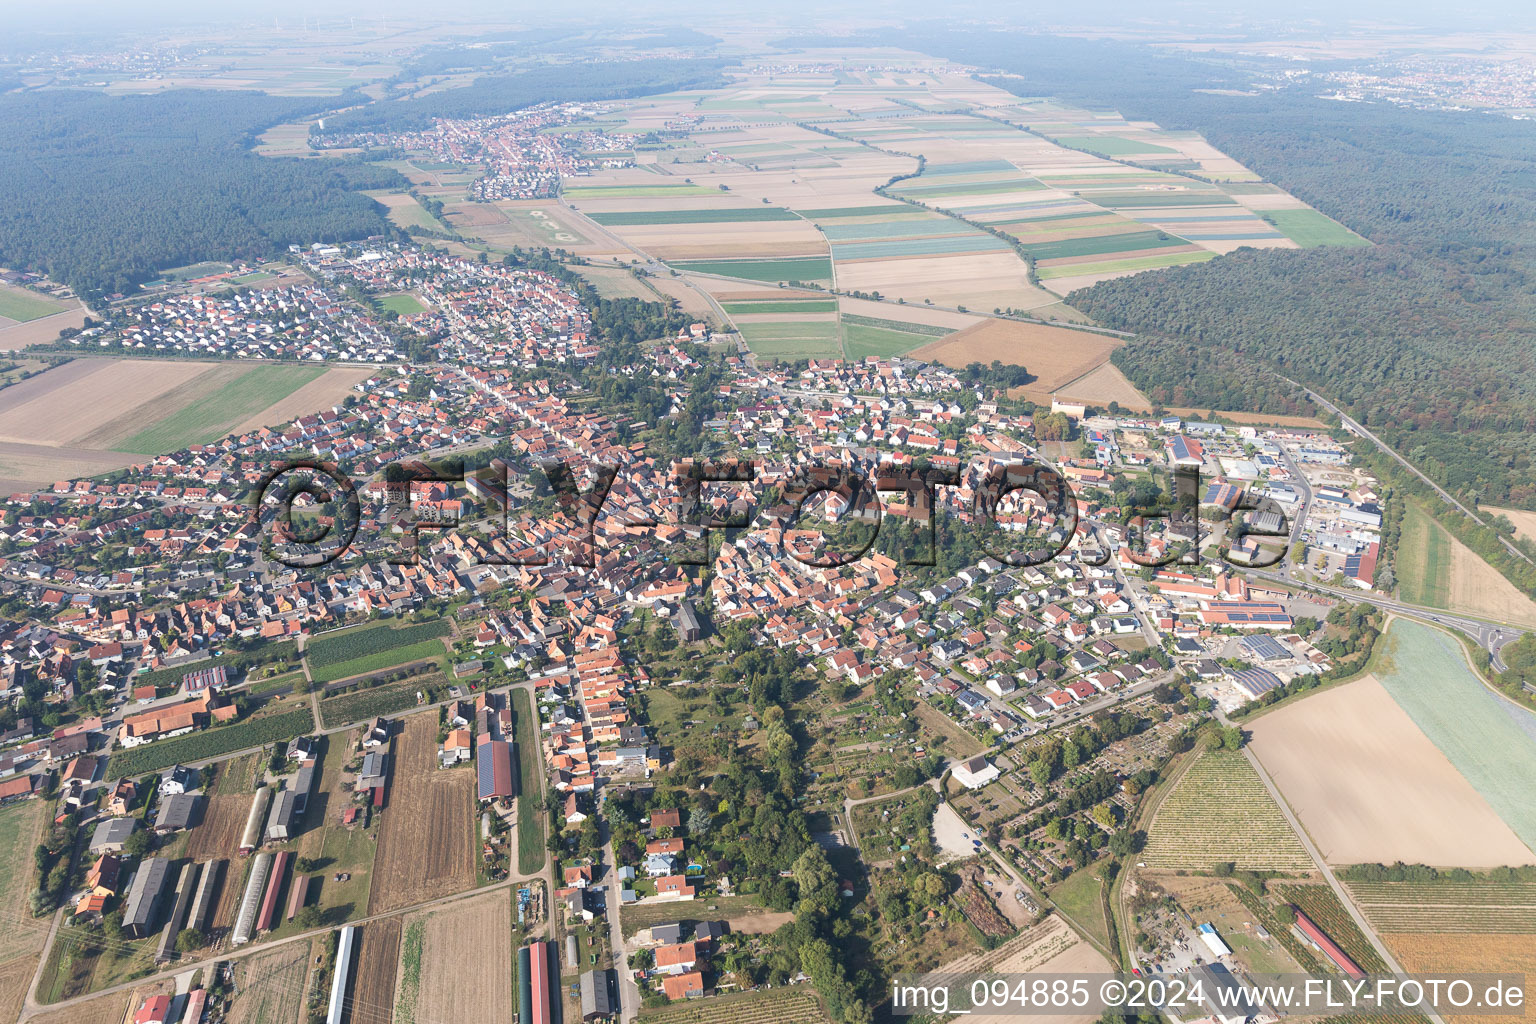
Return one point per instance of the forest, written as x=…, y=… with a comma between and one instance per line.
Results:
x=103, y=192
x=501, y=94
x=1423, y=337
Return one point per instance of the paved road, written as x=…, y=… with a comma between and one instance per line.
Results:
x=1322, y=865
x=1490, y=634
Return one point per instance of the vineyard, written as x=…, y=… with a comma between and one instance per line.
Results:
x=214, y=742
x=355, y=651
x=1320, y=904
x=1220, y=812
x=381, y=700
x=785, y=1006
x=1476, y=907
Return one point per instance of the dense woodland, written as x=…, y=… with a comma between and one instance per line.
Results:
x=102, y=192
x=1426, y=338
x=500, y=94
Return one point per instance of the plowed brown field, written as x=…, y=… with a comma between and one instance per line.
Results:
x=425, y=837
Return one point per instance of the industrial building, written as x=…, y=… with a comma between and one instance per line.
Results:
x=596, y=1000
x=142, y=907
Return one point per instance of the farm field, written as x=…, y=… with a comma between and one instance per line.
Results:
x=1308, y=228
x=1369, y=786
x=211, y=743
x=530, y=770
x=370, y=648
x=425, y=836
x=1424, y=560
x=1475, y=907
x=406, y=212
x=123, y=409
x=1451, y=954
x=1053, y=355
x=792, y=339
x=20, y=829
x=810, y=269
x=372, y=701
x=863, y=340
x=434, y=985
x=270, y=986
x=1480, y=589
x=218, y=835
x=774, y=1006
x=112, y=1009
x=372, y=996
x=1491, y=742
x=1048, y=948
x=16, y=335
x=1320, y=904
x=732, y=215
x=1102, y=385
x=1220, y=812
x=23, y=304
x=342, y=850
x=1523, y=521
x=217, y=405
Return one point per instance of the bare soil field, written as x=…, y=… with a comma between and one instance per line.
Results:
x=477, y=931
x=326, y=390
x=24, y=467
x=1465, y=953
x=1102, y=385
x=425, y=837
x=1053, y=355
x=1525, y=522
x=218, y=836
x=984, y=281
x=111, y=1009
x=270, y=986
x=1051, y=947
x=1479, y=589
x=69, y=403
x=907, y=314
x=15, y=977
x=1369, y=786
x=17, y=335
x=373, y=978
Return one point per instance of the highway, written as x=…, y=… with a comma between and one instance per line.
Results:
x=1354, y=427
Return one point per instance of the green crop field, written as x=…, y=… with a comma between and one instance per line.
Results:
x=802, y=340
x=861, y=341
x=841, y=212
x=782, y=306
x=1443, y=906
x=212, y=416
x=1110, y=145
x=1098, y=245
x=861, y=231
x=809, y=268
x=637, y=191
x=1423, y=560
x=1488, y=740
x=377, y=662
x=619, y=218
x=530, y=811
x=403, y=303
x=21, y=304
x=1308, y=228
x=1172, y=259
x=1218, y=812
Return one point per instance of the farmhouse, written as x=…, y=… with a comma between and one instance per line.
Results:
x=178, y=812
x=683, y=986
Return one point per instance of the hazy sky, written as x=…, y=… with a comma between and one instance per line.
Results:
x=98, y=18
